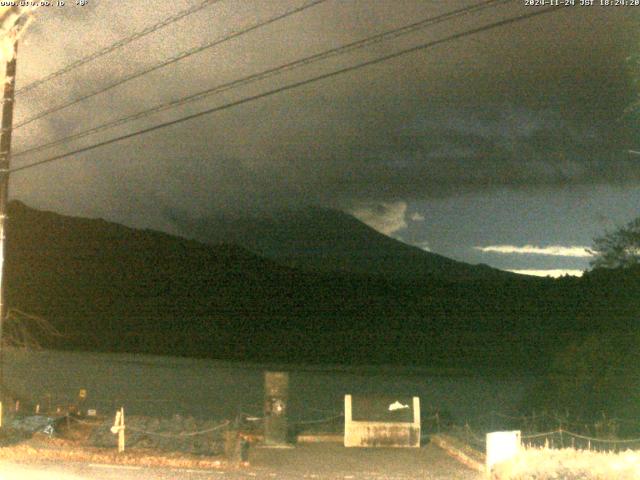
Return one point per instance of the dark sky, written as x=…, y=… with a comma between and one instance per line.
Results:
x=508, y=147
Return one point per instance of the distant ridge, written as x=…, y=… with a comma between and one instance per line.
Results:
x=319, y=239
x=107, y=287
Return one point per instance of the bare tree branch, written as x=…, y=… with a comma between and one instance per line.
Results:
x=23, y=330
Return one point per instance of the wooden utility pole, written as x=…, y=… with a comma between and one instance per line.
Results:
x=5, y=153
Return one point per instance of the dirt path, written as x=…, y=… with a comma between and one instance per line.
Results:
x=331, y=461
x=313, y=462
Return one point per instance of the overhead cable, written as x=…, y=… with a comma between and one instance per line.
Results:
x=387, y=35
x=169, y=61
x=114, y=46
x=294, y=85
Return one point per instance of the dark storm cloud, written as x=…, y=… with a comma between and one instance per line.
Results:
x=536, y=103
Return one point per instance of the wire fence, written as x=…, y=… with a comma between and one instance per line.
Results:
x=432, y=421
x=146, y=427
x=224, y=424
x=548, y=430
x=567, y=439
x=497, y=420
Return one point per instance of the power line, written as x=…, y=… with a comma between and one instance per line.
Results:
x=389, y=34
x=291, y=86
x=169, y=61
x=119, y=44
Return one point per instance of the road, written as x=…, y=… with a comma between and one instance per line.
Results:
x=312, y=462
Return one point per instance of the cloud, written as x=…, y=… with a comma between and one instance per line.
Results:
x=551, y=250
x=463, y=118
x=424, y=246
x=416, y=217
x=555, y=273
x=385, y=217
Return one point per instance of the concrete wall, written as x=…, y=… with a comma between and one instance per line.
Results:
x=363, y=433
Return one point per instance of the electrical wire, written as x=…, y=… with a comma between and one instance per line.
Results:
x=294, y=85
x=393, y=33
x=174, y=59
x=119, y=44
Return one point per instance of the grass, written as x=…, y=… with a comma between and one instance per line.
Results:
x=43, y=449
x=569, y=464
x=74, y=442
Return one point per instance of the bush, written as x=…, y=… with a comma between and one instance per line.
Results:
x=590, y=378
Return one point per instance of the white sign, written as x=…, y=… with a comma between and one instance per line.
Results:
x=397, y=406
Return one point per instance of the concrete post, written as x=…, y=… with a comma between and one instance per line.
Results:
x=276, y=399
x=501, y=447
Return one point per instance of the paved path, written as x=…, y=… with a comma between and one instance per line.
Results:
x=311, y=462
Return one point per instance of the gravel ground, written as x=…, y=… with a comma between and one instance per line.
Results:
x=332, y=461
x=313, y=462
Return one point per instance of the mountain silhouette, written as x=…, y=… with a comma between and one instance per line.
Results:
x=107, y=287
x=320, y=239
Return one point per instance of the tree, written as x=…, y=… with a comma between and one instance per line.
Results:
x=618, y=249
x=598, y=374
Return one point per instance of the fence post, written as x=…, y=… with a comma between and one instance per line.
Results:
x=121, y=432
x=501, y=447
x=118, y=428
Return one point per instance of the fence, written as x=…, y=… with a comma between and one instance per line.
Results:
x=185, y=434
x=566, y=439
x=200, y=391
x=190, y=435
x=560, y=432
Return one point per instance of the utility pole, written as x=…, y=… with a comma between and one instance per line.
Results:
x=5, y=153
